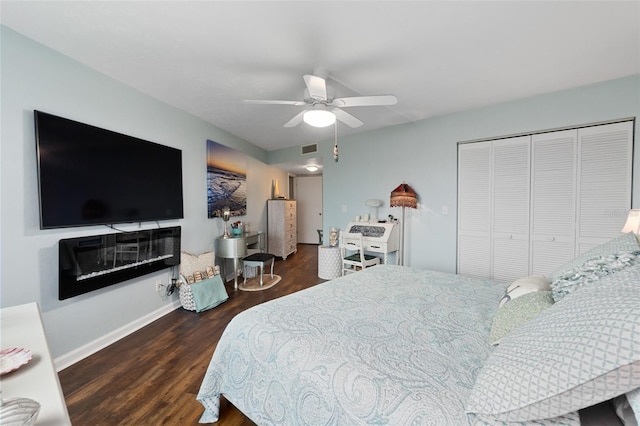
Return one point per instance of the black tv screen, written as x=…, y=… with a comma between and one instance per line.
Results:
x=92, y=176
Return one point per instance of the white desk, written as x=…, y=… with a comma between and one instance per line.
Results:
x=21, y=327
x=378, y=237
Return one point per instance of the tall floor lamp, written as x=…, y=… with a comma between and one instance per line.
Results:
x=403, y=196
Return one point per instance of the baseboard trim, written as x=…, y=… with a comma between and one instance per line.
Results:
x=90, y=348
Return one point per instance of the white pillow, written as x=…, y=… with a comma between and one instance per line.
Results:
x=194, y=268
x=523, y=286
x=583, y=350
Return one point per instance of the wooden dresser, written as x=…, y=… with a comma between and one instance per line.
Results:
x=282, y=227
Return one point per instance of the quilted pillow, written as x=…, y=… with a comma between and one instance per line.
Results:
x=624, y=243
x=583, y=350
x=591, y=271
x=516, y=312
x=569, y=419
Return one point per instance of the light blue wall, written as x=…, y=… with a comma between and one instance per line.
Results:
x=371, y=165
x=35, y=77
x=424, y=154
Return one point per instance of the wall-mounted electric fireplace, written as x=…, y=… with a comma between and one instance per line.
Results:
x=90, y=263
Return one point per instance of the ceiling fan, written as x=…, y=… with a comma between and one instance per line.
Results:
x=323, y=111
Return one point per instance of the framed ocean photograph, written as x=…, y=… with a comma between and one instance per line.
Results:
x=226, y=180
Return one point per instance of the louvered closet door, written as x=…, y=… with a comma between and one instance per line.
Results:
x=604, y=183
x=474, y=209
x=553, y=183
x=510, y=231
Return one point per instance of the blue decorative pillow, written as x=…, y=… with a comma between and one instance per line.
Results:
x=590, y=271
x=624, y=243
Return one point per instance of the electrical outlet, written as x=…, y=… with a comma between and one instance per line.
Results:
x=159, y=286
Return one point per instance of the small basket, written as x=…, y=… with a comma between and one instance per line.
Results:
x=186, y=296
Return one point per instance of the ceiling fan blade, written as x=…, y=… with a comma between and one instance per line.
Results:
x=317, y=87
x=297, y=119
x=346, y=118
x=365, y=101
x=268, y=102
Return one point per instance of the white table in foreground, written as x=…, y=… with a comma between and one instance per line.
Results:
x=329, y=262
x=21, y=327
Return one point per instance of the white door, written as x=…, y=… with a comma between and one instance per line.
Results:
x=474, y=209
x=553, y=200
x=605, y=155
x=309, y=197
x=510, y=212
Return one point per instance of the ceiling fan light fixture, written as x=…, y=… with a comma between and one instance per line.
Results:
x=319, y=117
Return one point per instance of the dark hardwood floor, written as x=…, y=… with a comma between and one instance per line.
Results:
x=152, y=376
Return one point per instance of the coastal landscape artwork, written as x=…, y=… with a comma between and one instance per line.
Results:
x=226, y=180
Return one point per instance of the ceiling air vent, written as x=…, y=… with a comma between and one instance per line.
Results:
x=310, y=149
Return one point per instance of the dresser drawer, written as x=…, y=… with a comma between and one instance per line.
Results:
x=290, y=247
x=290, y=236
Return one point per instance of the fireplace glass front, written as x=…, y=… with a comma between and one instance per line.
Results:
x=90, y=263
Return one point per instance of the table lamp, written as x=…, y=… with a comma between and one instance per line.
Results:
x=374, y=204
x=633, y=222
x=226, y=215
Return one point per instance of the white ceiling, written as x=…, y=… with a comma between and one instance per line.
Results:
x=437, y=57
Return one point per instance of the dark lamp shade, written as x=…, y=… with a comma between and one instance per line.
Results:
x=404, y=196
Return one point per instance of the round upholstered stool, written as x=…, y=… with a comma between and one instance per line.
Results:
x=257, y=260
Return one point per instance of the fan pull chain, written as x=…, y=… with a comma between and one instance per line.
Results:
x=335, y=146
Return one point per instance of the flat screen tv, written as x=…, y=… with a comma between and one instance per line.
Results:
x=92, y=176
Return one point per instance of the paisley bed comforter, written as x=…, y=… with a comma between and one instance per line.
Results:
x=389, y=345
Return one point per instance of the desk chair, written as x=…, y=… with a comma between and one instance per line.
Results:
x=352, y=252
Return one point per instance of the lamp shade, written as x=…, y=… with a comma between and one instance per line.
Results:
x=403, y=196
x=633, y=222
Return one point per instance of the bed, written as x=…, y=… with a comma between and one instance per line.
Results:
x=403, y=346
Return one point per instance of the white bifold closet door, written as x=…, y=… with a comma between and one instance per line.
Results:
x=510, y=211
x=529, y=204
x=605, y=161
x=553, y=187
x=474, y=209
